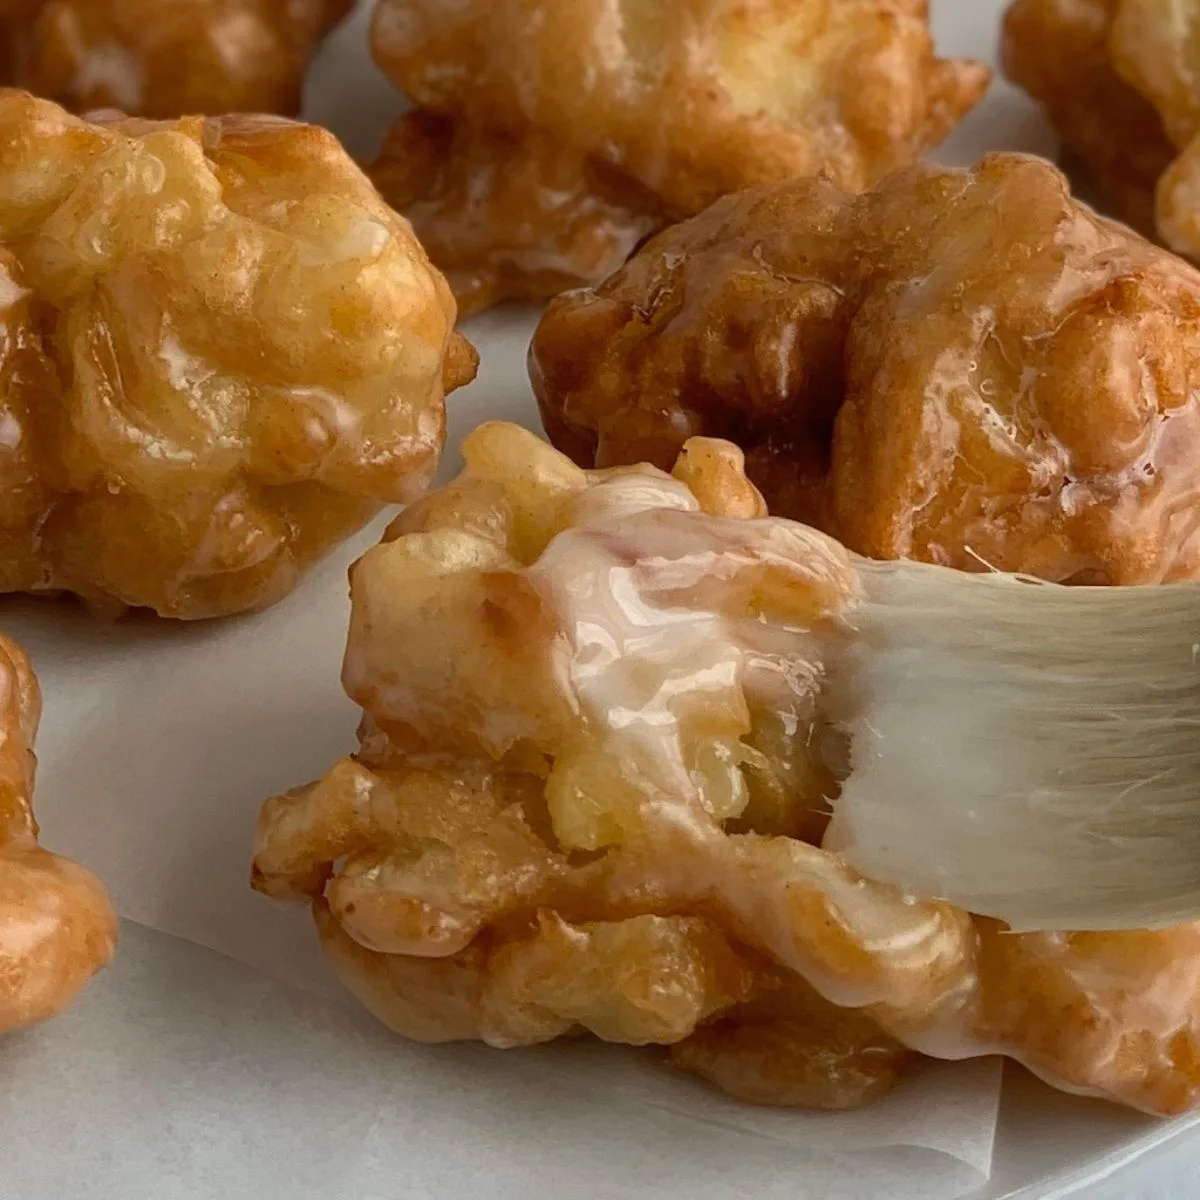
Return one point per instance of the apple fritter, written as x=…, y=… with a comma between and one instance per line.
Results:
x=165, y=58
x=57, y=928
x=965, y=367
x=554, y=134
x=589, y=794
x=220, y=354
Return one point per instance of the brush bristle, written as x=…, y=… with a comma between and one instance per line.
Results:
x=1026, y=751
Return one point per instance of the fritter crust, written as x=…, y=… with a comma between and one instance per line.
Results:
x=621, y=115
x=969, y=368
x=57, y=927
x=166, y=58
x=1120, y=79
x=220, y=353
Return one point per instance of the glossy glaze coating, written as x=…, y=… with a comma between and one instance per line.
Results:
x=623, y=114
x=220, y=353
x=1120, y=79
x=963, y=367
x=166, y=58
x=592, y=776
x=56, y=925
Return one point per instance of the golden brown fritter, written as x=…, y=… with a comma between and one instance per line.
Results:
x=220, y=353
x=591, y=776
x=1156, y=49
x=1058, y=51
x=57, y=928
x=508, y=219
x=166, y=58
x=960, y=367
x=621, y=115
x=502, y=860
x=1120, y=80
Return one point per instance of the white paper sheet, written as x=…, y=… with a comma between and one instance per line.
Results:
x=184, y=1074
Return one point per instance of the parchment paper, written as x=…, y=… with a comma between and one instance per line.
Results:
x=186, y=1074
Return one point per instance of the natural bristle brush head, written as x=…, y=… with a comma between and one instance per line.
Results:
x=1025, y=750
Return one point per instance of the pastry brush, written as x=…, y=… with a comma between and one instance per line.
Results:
x=1024, y=750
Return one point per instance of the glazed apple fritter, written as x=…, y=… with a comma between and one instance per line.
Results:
x=56, y=925
x=589, y=796
x=964, y=367
x=220, y=353
x=1120, y=79
x=165, y=58
x=550, y=136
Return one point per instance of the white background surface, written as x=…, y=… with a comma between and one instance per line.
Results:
x=183, y=1075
